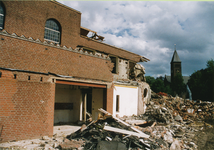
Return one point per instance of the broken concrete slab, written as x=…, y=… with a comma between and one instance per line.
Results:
x=168, y=137
x=178, y=118
x=175, y=145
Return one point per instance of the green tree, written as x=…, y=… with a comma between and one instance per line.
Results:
x=157, y=85
x=150, y=80
x=178, y=85
x=210, y=66
x=201, y=83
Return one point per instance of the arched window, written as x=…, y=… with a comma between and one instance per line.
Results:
x=52, y=31
x=2, y=14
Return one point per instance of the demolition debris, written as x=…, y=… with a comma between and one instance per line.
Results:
x=169, y=123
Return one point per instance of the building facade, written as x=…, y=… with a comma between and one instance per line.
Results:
x=51, y=72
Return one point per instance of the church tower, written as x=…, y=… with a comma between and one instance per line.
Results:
x=175, y=65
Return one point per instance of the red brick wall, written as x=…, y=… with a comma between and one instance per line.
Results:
x=27, y=107
x=28, y=18
x=24, y=55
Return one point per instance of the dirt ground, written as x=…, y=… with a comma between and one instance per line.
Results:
x=205, y=138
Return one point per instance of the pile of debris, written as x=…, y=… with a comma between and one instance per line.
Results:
x=168, y=124
x=110, y=132
x=186, y=110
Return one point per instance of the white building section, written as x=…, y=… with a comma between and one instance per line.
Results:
x=125, y=100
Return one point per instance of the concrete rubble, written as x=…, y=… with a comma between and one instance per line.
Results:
x=169, y=123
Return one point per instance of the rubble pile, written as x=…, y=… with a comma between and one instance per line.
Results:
x=156, y=112
x=163, y=132
x=177, y=120
x=169, y=123
x=165, y=108
x=173, y=134
x=111, y=133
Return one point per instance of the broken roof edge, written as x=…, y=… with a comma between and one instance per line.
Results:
x=144, y=59
x=141, y=58
x=88, y=29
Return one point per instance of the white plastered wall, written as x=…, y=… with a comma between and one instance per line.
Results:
x=128, y=100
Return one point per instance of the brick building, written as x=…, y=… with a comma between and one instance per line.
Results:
x=52, y=72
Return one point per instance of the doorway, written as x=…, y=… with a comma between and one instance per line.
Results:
x=74, y=99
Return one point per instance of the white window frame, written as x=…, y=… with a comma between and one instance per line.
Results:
x=53, y=31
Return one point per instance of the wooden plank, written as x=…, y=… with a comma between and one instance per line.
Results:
x=122, y=131
x=153, y=124
x=133, y=128
x=86, y=127
x=136, y=122
x=141, y=123
x=103, y=111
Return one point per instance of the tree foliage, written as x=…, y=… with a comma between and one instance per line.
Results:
x=201, y=83
x=160, y=85
x=157, y=85
x=178, y=85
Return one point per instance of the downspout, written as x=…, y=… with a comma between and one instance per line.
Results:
x=190, y=93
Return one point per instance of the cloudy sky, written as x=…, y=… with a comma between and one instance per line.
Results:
x=151, y=29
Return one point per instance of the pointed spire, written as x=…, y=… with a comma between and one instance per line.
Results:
x=175, y=57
